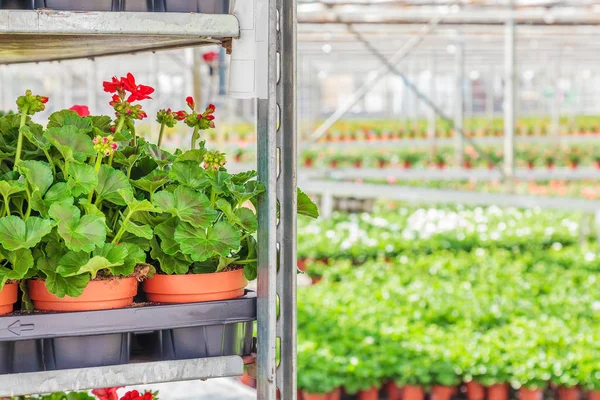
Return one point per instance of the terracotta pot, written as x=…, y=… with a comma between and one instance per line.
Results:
x=568, y=393
x=549, y=165
x=530, y=165
x=441, y=164
x=392, y=391
x=597, y=164
x=8, y=297
x=407, y=164
x=499, y=391
x=369, y=394
x=593, y=395
x=531, y=394
x=573, y=164
x=248, y=380
x=308, y=163
x=98, y=295
x=195, y=288
x=302, y=264
x=316, y=279
x=475, y=391
x=439, y=392
x=333, y=395
x=411, y=392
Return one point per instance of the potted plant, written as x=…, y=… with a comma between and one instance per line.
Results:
x=309, y=157
x=549, y=159
x=238, y=155
x=409, y=158
x=357, y=160
x=382, y=160
x=574, y=157
x=596, y=157
x=439, y=159
x=319, y=372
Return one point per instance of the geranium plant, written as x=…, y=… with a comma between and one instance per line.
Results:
x=85, y=198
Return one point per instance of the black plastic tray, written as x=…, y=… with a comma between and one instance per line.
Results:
x=197, y=6
x=50, y=341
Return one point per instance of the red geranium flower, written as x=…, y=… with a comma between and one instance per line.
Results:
x=113, y=86
x=106, y=394
x=83, y=111
x=135, y=395
x=44, y=99
x=180, y=115
x=138, y=92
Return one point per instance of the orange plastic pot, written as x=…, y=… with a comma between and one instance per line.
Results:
x=593, y=395
x=369, y=394
x=334, y=395
x=439, y=392
x=195, y=288
x=568, y=393
x=498, y=391
x=98, y=295
x=475, y=391
x=531, y=394
x=392, y=391
x=8, y=297
x=413, y=393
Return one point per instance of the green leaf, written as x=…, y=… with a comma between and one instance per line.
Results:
x=243, y=177
x=101, y=122
x=38, y=174
x=82, y=179
x=8, y=188
x=166, y=232
x=134, y=205
x=225, y=207
x=79, y=233
x=195, y=155
x=69, y=117
x=204, y=267
x=245, y=192
x=220, y=181
x=36, y=137
x=248, y=219
x=135, y=256
x=306, y=206
x=160, y=156
x=224, y=262
x=58, y=193
x=77, y=263
x=152, y=182
x=190, y=174
x=187, y=204
x=127, y=157
x=21, y=262
x=72, y=286
x=72, y=143
x=17, y=234
x=169, y=264
x=202, y=244
x=110, y=181
x=143, y=231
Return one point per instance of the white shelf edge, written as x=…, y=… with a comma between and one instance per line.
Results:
x=51, y=22
x=120, y=375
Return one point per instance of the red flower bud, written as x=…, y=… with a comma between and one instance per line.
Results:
x=113, y=128
x=190, y=102
x=44, y=99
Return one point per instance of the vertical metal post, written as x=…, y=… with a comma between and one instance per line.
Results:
x=431, y=120
x=509, y=98
x=286, y=193
x=459, y=101
x=277, y=236
x=490, y=95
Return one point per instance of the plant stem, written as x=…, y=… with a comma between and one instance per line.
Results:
x=213, y=198
x=28, y=212
x=160, y=135
x=246, y=261
x=6, y=206
x=245, y=236
x=20, y=139
x=97, y=169
x=195, y=137
x=50, y=161
x=122, y=229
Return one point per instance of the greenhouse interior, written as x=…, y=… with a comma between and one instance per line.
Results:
x=447, y=159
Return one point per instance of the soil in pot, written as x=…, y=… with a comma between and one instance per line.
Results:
x=194, y=288
x=498, y=391
x=475, y=391
x=8, y=297
x=411, y=392
x=531, y=394
x=568, y=393
x=439, y=392
x=98, y=295
x=369, y=394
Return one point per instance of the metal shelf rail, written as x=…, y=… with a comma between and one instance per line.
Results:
x=262, y=36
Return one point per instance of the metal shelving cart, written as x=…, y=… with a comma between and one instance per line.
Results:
x=261, y=36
